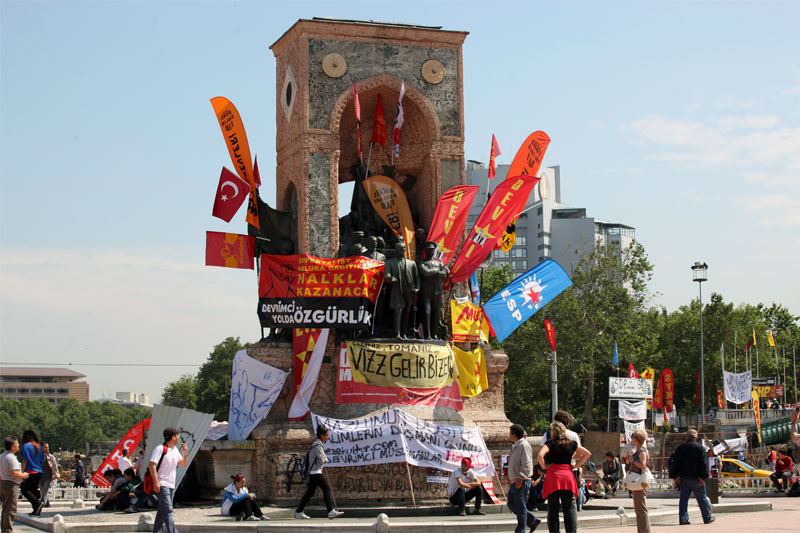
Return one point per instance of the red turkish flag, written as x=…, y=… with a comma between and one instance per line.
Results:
x=232, y=191
x=230, y=250
x=632, y=373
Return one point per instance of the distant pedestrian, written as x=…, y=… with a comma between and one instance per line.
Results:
x=238, y=501
x=32, y=458
x=316, y=460
x=637, y=463
x=11, y=475
x=560, y=484
x=520, y=470
x=163, y=466
x=690, y=470
x=50, y=473
x=80, y=472
x=772, y=458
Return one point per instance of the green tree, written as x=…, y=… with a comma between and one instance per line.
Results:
x=214, y=379
x=181, y=393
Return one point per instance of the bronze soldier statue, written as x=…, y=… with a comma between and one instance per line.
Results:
x=433, y=273
x=402, y=277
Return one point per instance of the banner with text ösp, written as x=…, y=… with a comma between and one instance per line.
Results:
x=402, y=364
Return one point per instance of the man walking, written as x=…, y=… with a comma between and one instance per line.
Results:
x=50, y=473
x=80, y=472
x=689, y=469
x=520, y=468
x=163, y=466
x=11, y=475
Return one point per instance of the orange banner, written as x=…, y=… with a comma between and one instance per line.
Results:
x=506, y=202
x=390, y=202
x=720, y=398
x=529, y=156
x=230, y=122
x=449, y=220
x=229, y=250
x=669, y=390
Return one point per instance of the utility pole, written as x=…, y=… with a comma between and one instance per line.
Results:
x=553, y=385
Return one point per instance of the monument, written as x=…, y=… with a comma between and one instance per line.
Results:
x=318, y=63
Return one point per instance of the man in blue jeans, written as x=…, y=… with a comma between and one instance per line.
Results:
x=520, y=468
x=689, y=469
x=163, y=465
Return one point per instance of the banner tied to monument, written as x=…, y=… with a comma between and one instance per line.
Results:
x=469, y=322
x=229, y=250
x=255, y=387
x=472, y=377
x=395, y=436
x=402, y=364
x=303, y=291
x=738, y=386
x=349, y=391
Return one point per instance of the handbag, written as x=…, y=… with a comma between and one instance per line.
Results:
x=147, y=482
x=634, y=481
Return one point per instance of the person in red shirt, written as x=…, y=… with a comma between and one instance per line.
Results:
x=783, y=471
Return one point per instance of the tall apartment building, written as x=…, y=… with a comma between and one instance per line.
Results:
x=53, y=384
x=546, y=228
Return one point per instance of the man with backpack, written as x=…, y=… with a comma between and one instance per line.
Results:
x=163, y=466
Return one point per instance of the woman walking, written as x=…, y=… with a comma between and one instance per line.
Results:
x=238, y=501
x=637, y=462
x=316, y=460
x=32, y=457
x=560, y=487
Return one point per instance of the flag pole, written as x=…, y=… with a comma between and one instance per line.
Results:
x=735, y=369
x=794, y=374
x=369, y=158
x=758, y=372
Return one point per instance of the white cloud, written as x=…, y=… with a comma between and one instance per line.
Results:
x=772, y=209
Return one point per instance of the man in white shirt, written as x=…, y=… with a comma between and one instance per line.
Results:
x=124, y=463
x=11, y=476
x=164, y=464
x=464, y=486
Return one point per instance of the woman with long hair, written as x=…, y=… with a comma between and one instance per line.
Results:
x=637, y=463
x=32, y=457
x=315, y=462
x=238, y=501
x=560, y=487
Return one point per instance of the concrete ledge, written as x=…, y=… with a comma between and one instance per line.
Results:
x=741, y=507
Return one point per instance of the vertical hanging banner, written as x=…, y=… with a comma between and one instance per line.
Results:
x=650, y=374
x=658, y=397
x=379, y=124
x=472, y=378
x=720, y=398
x=302, y=398
x=357, y=105
x=254, y=388
x=239, y=149
x=669, y=390
x=475, y=289
x=303, y=342
x=551, y=334
x=389, y=201
x=529, y=157
x=697, y=392
x=449, y=220
x=229, y=250
x=128, y=443
x=469, y=323
x=757, y=412
x=507, y=201
x=521, y=298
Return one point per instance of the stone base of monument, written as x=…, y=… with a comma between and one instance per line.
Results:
x=279, y=445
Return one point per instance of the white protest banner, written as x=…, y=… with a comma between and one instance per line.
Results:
x=737, y=445
x=630, y=388
x=395, y=436
x=254, y=388
x=217, y=430
x=630, y=427
x=738, y=386
x=632, y=410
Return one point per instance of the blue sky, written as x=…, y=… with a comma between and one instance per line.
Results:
x=681, y=119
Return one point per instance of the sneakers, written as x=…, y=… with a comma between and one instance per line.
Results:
x=132, y=509
x=264, y=517
x=462, y=512
x=333, y=514
x=251, y=518
x=302, y=515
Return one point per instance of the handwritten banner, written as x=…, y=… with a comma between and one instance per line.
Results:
x=630, y=427
x=632, y=410
x=630, y=388
x=254, y=388
x=395, y=436
x=402, y=364
x=738, y=386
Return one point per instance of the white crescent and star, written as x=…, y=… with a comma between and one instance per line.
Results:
x=222, y=190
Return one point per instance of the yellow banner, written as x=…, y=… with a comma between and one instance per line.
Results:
x=770, y=339
x=650, y=374
x=757, y=411
x=469, y=323
x=390, y=202
x=472, y=379
x=402, y=364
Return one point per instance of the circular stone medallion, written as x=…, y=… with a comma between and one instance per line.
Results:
x=433, y=71
x=334, y=65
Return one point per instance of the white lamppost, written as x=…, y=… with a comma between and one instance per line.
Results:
x=700, y=274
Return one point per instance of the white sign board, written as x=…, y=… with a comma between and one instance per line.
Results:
x=738, y=386
x=630, y=388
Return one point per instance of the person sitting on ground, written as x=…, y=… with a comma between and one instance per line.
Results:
x=537, y=484
x=464, y=486
x=126, y=499
x=783, y=471
x=611, y=473
x=239, y=502
x=115, y=479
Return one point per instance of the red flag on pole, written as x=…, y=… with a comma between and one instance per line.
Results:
x=232, y=191
x=551, y=334
x=379, y=124
x=398, y=120
x=229, y=250
x=697, y=394
x=493, y=152
x=632, y=373
x=358, y=120
x=256, y=175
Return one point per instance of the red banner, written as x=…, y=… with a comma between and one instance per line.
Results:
x=129, y=442
x=303, y=342
x=507, y=201
x=379, y=124
x=350, y=391
x=231, y=193
x=449, y=220
x=658, y=397
x=632, y=373
x=669, y=390
x=229, y=250
x=720, y=398
x=303, y=291
x=697, y=393
x=551, y=334
x=494, y=151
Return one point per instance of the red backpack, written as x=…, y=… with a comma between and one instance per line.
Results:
x=147, y=482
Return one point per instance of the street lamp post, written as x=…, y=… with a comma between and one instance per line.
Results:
x=700, y=274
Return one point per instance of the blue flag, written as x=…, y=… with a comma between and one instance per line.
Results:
x=475, y=289
x=521, y=298
x=615, y=360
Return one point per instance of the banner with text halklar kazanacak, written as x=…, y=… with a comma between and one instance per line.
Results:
x=303, y=291
x=394, y=436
